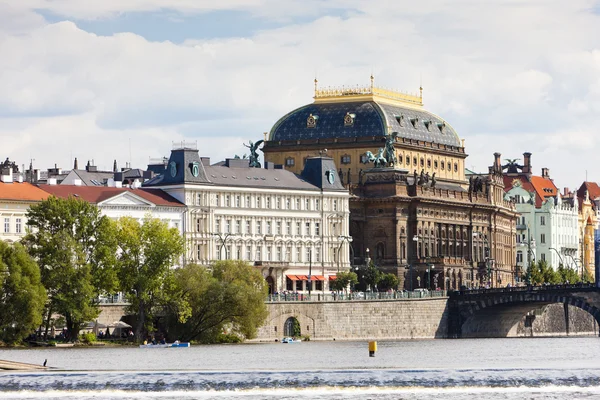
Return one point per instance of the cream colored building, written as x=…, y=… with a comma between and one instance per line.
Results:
x=15, y=200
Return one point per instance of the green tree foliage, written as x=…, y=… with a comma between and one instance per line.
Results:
x=147, y=253
x=22, y=295
x=548, y=274
x=228, y=296
x=534, y=275
x=75, y=249
x=568, y=275
x=588, y=277
x=371, y=276
x=343, y=281
x=387, y=282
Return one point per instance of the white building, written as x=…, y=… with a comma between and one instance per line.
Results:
x=15, y=200
x=546, y=232
x=289, y=226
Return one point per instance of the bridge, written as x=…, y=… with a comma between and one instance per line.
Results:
x=497, y=312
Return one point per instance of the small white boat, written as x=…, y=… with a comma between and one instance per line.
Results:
x=290, y=340
x=164, y=345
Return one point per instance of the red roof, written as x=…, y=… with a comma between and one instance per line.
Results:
x=21, y=191
x=543, y=187
x=97, y=194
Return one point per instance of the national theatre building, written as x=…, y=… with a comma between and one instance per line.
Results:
x=412, y=211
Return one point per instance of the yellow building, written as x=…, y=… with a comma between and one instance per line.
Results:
x=15, y=200
x=350, y=121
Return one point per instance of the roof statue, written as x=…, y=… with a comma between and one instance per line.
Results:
x=512, y=166
x=378, y=161
x=253, y=154
x=390, y=151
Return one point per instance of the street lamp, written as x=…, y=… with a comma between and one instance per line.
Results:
x=558, y=254
x=431, y=266
x=342, y=239
x=309, y=271
x=223, y=239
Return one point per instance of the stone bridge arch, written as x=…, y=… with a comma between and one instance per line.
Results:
x=496, y=313
x=282, y=314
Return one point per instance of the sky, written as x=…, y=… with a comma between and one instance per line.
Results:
x=126, y=79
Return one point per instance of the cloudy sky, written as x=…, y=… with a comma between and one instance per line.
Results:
x=124, y=79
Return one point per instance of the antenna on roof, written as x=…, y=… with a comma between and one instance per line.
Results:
x=130, y=151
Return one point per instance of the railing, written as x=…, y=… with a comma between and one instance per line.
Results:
x=355, y=296
x=522, y=289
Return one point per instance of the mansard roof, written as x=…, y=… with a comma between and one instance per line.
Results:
x=543, y=188
x=98, y=194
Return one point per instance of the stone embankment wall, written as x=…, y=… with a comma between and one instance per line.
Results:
x=356, y=320
x=550, y=321
x=110, y=313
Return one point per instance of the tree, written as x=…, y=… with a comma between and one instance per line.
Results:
x=75, y=248
x=343, y=280
x=547, y=273
x=371, y=276
x=147, y=253
x=534, y=275
x=228, y=295
x=22, y=295
x=568, y=275
x=387, y=282
x=587, y=276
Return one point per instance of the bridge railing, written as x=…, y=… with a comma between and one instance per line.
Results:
x=355, y=296
x=520, y=289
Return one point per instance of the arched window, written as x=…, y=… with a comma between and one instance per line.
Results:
x=380, y=254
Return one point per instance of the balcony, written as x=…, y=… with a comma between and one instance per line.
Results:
x=521, y=227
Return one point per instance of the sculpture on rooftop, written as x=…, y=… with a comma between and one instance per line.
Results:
x=390, y=151
x=253, y=153
x=378, y=161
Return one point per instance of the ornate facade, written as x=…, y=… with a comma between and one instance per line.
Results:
x=412, y=210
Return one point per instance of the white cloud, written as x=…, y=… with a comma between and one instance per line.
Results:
x=506, y=75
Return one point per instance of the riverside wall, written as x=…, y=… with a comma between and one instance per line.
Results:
x=360, y=320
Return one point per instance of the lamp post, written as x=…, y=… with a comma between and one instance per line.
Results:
x=349, y=240
x=309, y=282
x=431, y=266
x=223, y=239
x=558, y=254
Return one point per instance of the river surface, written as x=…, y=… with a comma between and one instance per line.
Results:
x=516, y=368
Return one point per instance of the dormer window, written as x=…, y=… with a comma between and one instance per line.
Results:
x=400, y=119
x=364, y=159
x=349, y=119
x=414, y=122
x=290, y=162
x=428, y=124
x=311, y=121
x=441, y=126
x=346, y=159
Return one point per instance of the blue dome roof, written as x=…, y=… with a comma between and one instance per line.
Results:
x=360, y=119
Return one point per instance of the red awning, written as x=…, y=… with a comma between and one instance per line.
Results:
x=318, y=278
x=332, y=277
x=292, y=277
x=302, y=277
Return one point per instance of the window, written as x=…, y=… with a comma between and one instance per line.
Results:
x=259, y=227
x=415, y=161
x=307, y=229
x=364, y=159
x=227, y=226
x=258, y=205
x=317, y=204
x=400, y=159
x=238, y=227
x=238, y=253
x=297, y=204
x=519, y=256
x=217, y=200
x=442, y=165
x=307, y=204
x=238, y=201
x=288, y=203
x=278, y=202
x=198, y=252
x=248, y=205
x=428, y=163
x=318, y=255
x=543, y=238
x=198, y=225
x=290, y=162
x=345, y=159
x=449, y=167
x=278, y=227
x=268, y=228
x=299, y=254
x=422, y=162
x=543, y=256
x=455, y=167
x=268, y=253
x=258, y=254
x=278, y=253
x=227, y=201
x=248, y=253
x=288, y=228
x=198, y=199
x=308, y=254
x=248, y=226
x=435, y=164
x=407, y=160
x=18, y=225
x=542, y=220
x=317, y=229
x=268, y=202
x=218, y=225
x=298, y=232
x=335, y=205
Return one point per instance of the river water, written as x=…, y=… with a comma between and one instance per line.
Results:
x=516, y=368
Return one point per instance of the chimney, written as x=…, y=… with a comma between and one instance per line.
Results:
x=6, y=175
x=75, y=166
x=115, y=166
x=52, y=181
x=497, y=162
x=545, y=173
x=527, y=163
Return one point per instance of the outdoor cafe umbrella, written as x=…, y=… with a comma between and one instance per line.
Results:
x=119, y=325
x=94, y=325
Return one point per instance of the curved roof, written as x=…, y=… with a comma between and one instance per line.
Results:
x=369, y=118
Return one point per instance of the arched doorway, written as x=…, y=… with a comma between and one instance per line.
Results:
x=271, y=283
x=291, y=327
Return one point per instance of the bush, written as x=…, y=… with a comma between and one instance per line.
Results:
x=88, y=338
x=305, y=338
x=228, y=338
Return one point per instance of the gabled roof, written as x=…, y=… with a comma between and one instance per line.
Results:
x=543, y=188
x=97, y=178
x=21, y=192
x=98, y=194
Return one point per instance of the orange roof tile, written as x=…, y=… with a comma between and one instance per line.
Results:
x=21, y=192
x=97, y=194
x=543, y=187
